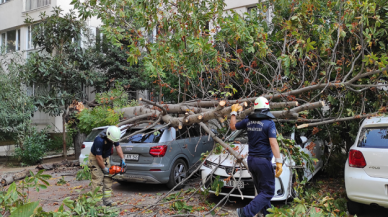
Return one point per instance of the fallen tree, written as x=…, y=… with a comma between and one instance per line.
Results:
x=202, y=112
x=9, y=178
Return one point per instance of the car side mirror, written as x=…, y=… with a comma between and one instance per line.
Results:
x=304, y=139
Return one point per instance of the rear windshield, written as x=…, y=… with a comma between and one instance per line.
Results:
x=92, y=135
x=149, y=136
x=374, y=138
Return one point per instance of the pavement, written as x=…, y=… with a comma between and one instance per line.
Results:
x=130, y=196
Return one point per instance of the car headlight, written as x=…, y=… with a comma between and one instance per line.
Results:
x=207, y=164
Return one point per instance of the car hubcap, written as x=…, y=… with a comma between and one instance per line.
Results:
x=179, y=172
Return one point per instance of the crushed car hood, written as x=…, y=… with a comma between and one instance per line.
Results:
x=227, y=159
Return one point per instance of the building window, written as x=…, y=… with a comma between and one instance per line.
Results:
x=10, y=41
x=30, y=36
x=2, y=42
x=34, y=4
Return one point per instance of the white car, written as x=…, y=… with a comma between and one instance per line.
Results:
x=87, y=144
x=283, y=184
x=366, y=170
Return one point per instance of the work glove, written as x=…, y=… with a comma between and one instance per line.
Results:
x=122, y=163
x=235, y=108
x=279, y=169
x=106, y=171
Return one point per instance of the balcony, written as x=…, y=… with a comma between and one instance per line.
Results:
x=30, y=5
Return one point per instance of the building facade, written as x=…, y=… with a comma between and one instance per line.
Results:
x=16, y=36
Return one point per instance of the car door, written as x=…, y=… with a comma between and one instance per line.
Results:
x=206, y=141
x=188, y=140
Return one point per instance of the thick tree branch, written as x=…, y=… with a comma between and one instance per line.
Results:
x=338, y=120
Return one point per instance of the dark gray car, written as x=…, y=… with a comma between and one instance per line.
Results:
x=163, y=156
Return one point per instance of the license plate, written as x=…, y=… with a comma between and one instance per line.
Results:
x=131, y=157
x=232, y=183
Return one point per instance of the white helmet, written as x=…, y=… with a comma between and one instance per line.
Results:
x=261, y=103
x=113, y=133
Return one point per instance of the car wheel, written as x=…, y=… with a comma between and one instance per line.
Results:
x=354, y=208
x=177, y=174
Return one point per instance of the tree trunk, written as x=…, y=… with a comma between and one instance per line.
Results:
x=79, y=138
x=185, y=90
x=64, y=134
x=160, y=93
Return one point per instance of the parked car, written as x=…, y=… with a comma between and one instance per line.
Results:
x=283, y=184
x=161, y=155
x=366, y=169
x=87, y=144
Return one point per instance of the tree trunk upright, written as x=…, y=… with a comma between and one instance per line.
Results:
x=185, y=89
x=160, y=94
x=64, y=134
x=79, y=138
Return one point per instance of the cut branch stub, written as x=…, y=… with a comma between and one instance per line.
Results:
x=308, y=106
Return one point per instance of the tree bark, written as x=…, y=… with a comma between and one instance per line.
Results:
x=11, y=177
x=78, y=140
x=219, y=112
x=64, y=134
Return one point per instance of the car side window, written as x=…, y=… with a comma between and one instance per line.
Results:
x=182, y=133
x=194, y=130
x=127, y=133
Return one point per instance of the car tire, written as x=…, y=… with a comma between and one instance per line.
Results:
x=177, y=174
x=354, y=208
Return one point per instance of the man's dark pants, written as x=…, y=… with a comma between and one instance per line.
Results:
x=262, y=170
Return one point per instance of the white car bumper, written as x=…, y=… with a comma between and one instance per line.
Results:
x=362, y=188
x=282, y=192
x=82, y=158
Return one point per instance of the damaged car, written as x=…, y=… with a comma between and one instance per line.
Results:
x=220, y=167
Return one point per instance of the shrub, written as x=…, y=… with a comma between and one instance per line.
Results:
x=56, y=143
x=34, y=147
x=97, y=117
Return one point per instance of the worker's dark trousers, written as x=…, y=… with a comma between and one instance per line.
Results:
x=262, y=170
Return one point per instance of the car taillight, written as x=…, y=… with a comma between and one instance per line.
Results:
x=83, y=146
x=356, y=159
x=158, y=151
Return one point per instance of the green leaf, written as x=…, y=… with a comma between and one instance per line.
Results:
x=25, y=210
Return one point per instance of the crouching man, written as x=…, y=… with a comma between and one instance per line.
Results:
x=99, y=164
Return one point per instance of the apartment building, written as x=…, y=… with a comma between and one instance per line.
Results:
x=16, y=36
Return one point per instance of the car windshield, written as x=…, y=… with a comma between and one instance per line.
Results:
x=374, y=137
x=92, y=135
x=149, y=136
x=239, y=136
